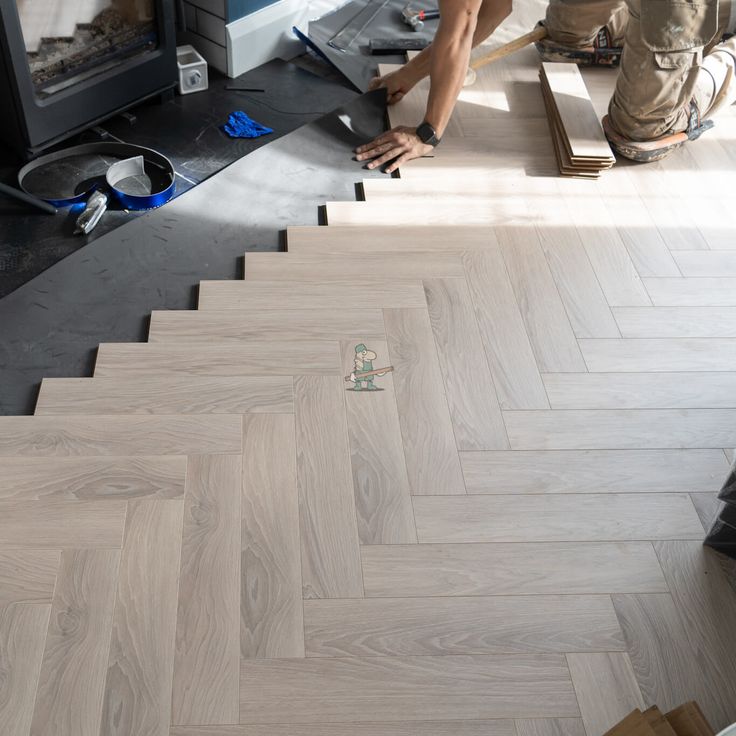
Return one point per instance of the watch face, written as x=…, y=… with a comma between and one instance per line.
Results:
x=426, y=134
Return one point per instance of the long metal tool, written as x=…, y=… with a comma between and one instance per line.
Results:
x=344, y=38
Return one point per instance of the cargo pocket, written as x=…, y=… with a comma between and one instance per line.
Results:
x=678, y=25
x=682, y=60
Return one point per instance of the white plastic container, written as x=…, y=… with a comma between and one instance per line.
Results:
x=192, y=70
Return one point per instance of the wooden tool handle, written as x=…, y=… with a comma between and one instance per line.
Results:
x=536, y=35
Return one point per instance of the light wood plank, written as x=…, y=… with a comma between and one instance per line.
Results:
x=550, y=727
x=329, y=534
x=476, y=625
x=208, y=618
x=511, y=569
x=22, y=636
x=676, y=321
x=495, y=727
x=166, y=395
x=626, y=429
x=140, y=667
x=510, y=356
x=271, y=584
x=266, y=324
x=33, y=479
x=72, y=679
x=606, y=689
x=556, y=518
x=138, y=360
x=641, y=390
x=594, y=471
x=380, y=477
x=429, y=443
x=692, y=292
x=118, y=435
x=28, y=575
x=405, y=688
x=708, y=507
x=707, y=608
x=706, y=263
x=247, y=296
x=471, y=395
x=57, y=524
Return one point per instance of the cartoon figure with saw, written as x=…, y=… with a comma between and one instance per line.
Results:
x=364, y=372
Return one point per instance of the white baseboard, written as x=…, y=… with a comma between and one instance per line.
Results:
x=264, y=35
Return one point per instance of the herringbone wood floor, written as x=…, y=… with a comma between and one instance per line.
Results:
x=213, y=536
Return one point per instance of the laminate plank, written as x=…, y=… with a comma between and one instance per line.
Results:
x=257, y=295
x=480, y=625
x=228, y=325
x=166, y=395
x=550, y=727
x=405, y=688
x=271, y=585
x=708, y=507
x=57, y=524
x=426, y=427
x=138, y=684
x=626, y=429
x=594, y=471
x=118, y=435
x=509, y=352
x=707, y=607
x=27, y=576
x=140, y=360
x=676, y=321
x=556, y=518
x=641, y=390
x=206, y=659
x=659, y=354
x=22, y=635
x=706, y=263
x=510, y=569
x=471, y=394
x=663, y=658
x=692, y=292
x=72, y=678
x=328, y=523
x=380, y=477
x=541, y=308
x=91, y=478
x=495, y=727
x=606, y=689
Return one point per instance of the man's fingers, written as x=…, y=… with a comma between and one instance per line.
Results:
x=400, y=160
x=375, y=83
x=388, y=156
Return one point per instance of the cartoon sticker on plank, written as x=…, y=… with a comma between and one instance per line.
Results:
x=364, y=372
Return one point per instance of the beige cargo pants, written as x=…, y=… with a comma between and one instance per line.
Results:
x=670, y=57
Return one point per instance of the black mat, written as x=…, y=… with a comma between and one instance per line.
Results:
x=188, y=131
x=105, y=292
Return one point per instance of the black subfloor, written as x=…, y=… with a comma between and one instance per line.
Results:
x=188, y=131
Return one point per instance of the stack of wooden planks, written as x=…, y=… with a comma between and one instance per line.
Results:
x=581, y=147
x=685, y=720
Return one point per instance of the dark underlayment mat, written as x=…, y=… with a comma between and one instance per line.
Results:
x=188, y=131
x=52, y=325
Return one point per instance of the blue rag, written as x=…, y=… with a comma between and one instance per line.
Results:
x=239, y=125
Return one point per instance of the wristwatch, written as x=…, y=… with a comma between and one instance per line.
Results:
x=427, y=134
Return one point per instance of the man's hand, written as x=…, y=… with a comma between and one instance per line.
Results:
x=397, y=146
x=397, y=84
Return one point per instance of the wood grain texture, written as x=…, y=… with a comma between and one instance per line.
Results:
x=72, y=679
x=271, y=584
x=133, y=360
x=208, y=616
x=90, y=478
x=706, y=263
x=475, y=625
x=166, y=395
x=692, y=292
x=708, y=507
x=550, y=727
x=556, y=518
x=256, y=295
x=510, y=356
x=140, y=667
x=511, y=569
x=676, y=321
x=594, y=471
x=621, y=429
x=606, y=689
x=267, y=324
x=471, y=395
x=495, y=727
x=22, y=635
x=380, y=478
x=405, y=688
x=429, y=442
x=28, y=575
x=118, y=435
x=329, y=534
